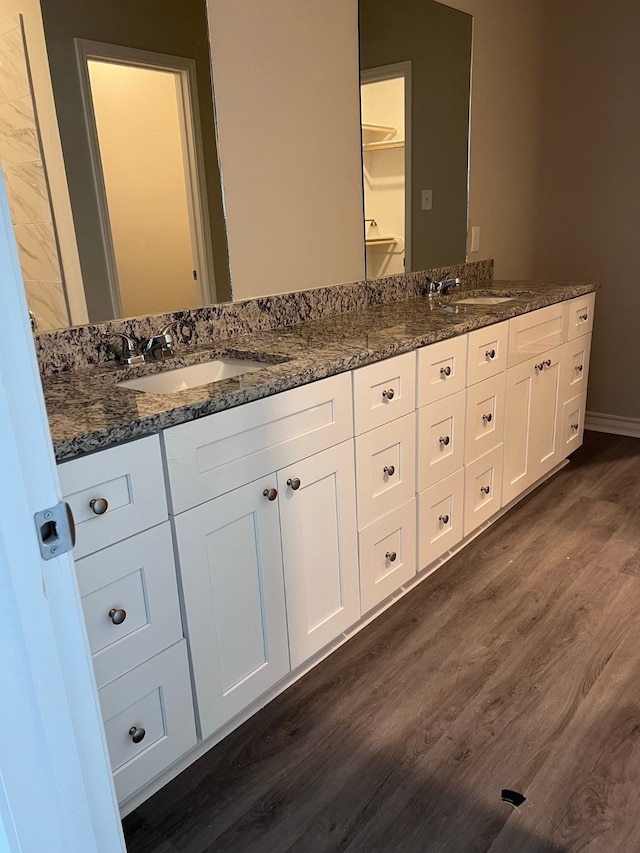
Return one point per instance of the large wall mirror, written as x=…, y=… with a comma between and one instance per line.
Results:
x=432, y=42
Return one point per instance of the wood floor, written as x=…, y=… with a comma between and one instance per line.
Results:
x=516, y=665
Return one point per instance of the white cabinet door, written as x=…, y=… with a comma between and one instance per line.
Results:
x=487, y=352
x=384, y=391
x=319, y=546
x=581, y=315
x=386, y=466
x=485, y=417
x=482, y=489
x=441, y=438
x=533, y=411
x=440, y=516
x=232, y=579
x=575, y=367
x=442, y=369
x=537, y=332
x=387, y=554
x=572, y=425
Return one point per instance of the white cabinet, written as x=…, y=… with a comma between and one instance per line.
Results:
x=233, y=591
x=269, y=564
x=572, y=424
x=581, y=315
x=441, y=439
x=532, y=445
x=384, y=391
x=485, y=417
x=487, y=352
x=440, y=518
x=482, y=489
x=127, y=580
x=442, y=369
x=387, y=550
x=537, y=332
x=319, y=547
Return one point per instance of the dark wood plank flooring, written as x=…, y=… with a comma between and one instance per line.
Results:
x=516, y=665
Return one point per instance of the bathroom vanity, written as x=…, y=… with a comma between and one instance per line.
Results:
x=230, y=536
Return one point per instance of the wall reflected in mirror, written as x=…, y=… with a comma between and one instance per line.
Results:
x=433, y=39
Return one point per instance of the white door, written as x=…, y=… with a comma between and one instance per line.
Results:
x=319, y=547
x=56, y=791
x=231, y=566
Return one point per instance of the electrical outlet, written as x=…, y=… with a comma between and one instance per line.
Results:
x=475, y=239
x=427, y=199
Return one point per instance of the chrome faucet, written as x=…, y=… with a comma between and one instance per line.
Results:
x=441, y=288
x=130, y=354
x=160, y=346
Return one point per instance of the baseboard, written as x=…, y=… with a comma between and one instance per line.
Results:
x=612, y=423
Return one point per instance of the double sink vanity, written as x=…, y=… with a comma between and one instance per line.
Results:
x=232, y=532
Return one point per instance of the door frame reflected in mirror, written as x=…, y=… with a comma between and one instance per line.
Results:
x=184, y=70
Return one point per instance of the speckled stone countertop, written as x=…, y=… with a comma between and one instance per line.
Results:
x=89, y=411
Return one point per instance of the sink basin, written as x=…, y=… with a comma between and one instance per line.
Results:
x=483, y=300
x=182, y=378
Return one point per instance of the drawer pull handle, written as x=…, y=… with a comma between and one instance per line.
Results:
x=579, y=368
x=583, y=317
x=487, y=418
x=389, y=394
x=390, y=470
x=445, y=371
x=575, y=427
x=490, y=353
x=137, y=734
x=444, y=440
x=294, y=482
x=391, y=556
x=99, y=505
x=444, y=519
x=485, y=490
x=270, y=494
x=117, y=615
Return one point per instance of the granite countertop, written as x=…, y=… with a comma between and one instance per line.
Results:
x=88, y=410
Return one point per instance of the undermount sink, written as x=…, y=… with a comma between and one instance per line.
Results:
x=483, y=300
x=183, y=378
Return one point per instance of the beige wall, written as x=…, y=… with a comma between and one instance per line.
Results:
x=588, y=219
x=286, y=89
x=506, y=121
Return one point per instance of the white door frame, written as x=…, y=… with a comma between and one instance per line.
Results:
x=192, y=147
x=56, y=788
x=391, y=72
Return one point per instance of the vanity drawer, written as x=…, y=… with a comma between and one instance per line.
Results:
x=482, y=489
x=125, y=482
x=211, y=456
x=440, y=517
x=154, y=697
x=387, y=550
x=384, y=391
x=441, y=438
x=534, y=333
x=574, y=366
x=572, y=424
x=487, y=352
x=442, y=369
x=581, y=315
x=485, y=417
x=385, y=468
x=133, y=583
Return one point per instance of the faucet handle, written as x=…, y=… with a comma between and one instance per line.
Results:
x=130, y=353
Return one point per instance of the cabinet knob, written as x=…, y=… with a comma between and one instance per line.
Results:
x=490, y=353
x=294, y=482
x=137, y=734
x=272, y=494
x=117, y=615
x=391, y=556
x=443, y=519
x=445, y=371
x=390, y=470
x=579, y=368
x=487, y=418
x=444, y=440
x=547, y=362
x=389, y=394
x=485, y=490
x=583, y=317
x=99, y=505
x=575, y=427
